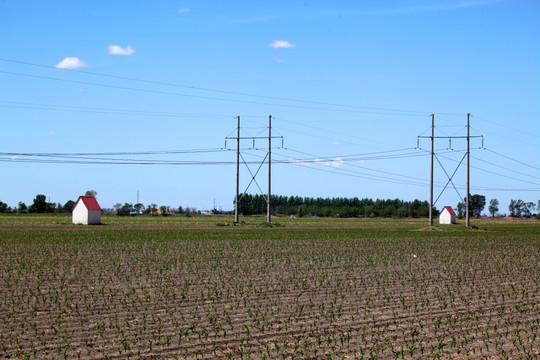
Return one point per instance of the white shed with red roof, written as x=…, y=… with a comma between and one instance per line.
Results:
x=87, y=211
x=447, y=216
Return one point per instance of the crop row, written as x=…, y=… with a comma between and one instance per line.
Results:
x=115, y=295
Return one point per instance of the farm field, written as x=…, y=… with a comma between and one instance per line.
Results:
x=196, y=288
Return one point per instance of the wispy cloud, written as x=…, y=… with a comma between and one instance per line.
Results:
x=277, y=59
x=184, y=10
x=281, y=44
x=433, y=7
x=336, y=163
x=118, y=50
x=52, y=133
x=70, y=63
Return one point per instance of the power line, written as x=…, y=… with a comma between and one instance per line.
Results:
x=509, y=158
x=321, y=162
x=507, y=127
x=393, y=111
x=326, y=131
x=51, y=107
x=71, y=159
x=495, y=173
x=326, y=168
x=161, y=92
x=158, y=152
x=505, y=168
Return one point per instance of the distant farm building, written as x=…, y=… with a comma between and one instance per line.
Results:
x=447, y=216
x=87, y=211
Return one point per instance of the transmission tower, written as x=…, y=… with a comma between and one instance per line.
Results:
x=268, y=156
x=467, y=155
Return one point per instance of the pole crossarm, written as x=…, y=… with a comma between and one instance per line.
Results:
x=451, y=137
x=253, y=138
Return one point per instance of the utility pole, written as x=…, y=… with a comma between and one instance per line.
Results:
x=466, y=155
x=237, y=173
x=431, y=178
x=468, y=201
x=269, y=220
x=268, y=156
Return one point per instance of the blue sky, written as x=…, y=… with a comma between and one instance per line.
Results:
x=350, y=86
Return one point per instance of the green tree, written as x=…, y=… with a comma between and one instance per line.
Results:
x=68, y=206
x=151, y=209
x=22, y=207
x=40, y=204
x=528, y=209
x=92, y=193
x=138, y=207
x=519, y=207
x=126, y=209
x=493, y=207
x=3, y=207
x=476, y=204
x=461, y=209
x=163, y=210
x=512, y=207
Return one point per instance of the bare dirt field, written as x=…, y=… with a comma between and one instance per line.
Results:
x=309, y=289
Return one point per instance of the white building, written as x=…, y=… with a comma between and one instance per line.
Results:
x=87, y=211
x=447, y=216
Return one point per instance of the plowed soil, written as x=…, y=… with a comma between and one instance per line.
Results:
x=144, y=292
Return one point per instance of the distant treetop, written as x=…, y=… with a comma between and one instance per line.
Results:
x=92, y=193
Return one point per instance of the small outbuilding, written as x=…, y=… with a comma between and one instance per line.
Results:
x=87, y=211
x=447, y=216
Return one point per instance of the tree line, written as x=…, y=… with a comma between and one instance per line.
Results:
x=40, y=206
x=297, y=206
x=337, y=207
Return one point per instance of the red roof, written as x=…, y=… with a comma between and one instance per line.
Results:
x=89, y=202
x=450, y=210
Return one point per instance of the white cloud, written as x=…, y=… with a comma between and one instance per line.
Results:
x=70, y=63
x=281, y=44
x=277, y=59
x=118, y=50
x=184, y=10
x=337, y=162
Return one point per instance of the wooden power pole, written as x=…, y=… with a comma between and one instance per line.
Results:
x=237, y=173
x=269, y=220
x=468, y=197
x=431, y=177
